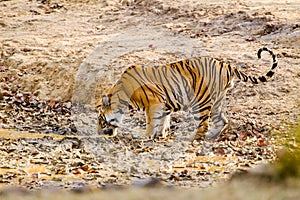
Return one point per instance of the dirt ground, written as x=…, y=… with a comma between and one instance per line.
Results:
x=58, y=57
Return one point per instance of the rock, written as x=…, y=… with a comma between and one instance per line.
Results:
x=151, y=182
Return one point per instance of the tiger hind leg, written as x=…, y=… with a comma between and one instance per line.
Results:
x=218, y=125
x=202, y=123
x=157, y=121
x=218, y=122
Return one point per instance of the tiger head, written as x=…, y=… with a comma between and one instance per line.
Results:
x=109, y=118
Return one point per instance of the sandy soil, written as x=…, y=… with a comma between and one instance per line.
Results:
x=55, y=51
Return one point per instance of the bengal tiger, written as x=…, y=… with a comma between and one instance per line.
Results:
x=198, y=84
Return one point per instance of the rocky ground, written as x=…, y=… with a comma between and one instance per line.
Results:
x=57, y=55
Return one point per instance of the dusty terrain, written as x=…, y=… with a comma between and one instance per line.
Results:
x=58, y=57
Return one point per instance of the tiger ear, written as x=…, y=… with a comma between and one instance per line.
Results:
x=105, y=100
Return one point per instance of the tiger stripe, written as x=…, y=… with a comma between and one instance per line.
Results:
x=199, y=84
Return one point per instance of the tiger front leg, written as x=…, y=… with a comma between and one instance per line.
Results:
x=157, y=121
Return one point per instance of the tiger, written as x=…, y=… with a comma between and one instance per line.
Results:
x=197, y=85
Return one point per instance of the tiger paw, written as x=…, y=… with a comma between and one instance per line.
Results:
x=211, y=135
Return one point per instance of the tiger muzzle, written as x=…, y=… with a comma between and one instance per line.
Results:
x=108, y=131
x=106, y=128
